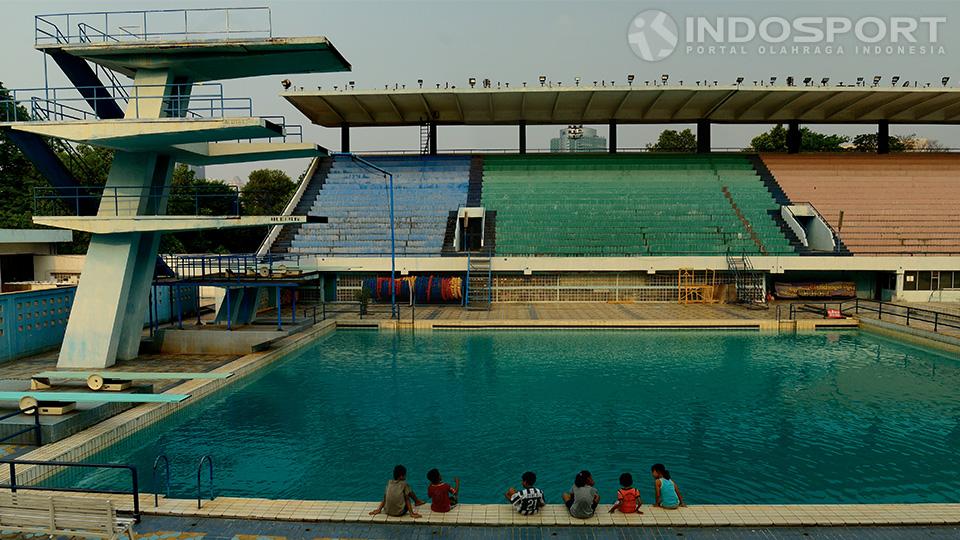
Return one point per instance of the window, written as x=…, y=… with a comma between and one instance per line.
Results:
x=923, y=281
x=910, y=281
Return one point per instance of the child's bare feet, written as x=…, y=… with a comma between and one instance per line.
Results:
x=420, y=503
x=374, y=512
x=415, y=515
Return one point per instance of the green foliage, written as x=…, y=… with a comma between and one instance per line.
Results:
x=671, y=140
x=266, y=192
x=775, y=140
x=191, y=196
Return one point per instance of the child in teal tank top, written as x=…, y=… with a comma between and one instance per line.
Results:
x=666, y=490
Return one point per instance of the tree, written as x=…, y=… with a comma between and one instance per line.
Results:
x=191, y=196
x=266, y=192
x=18, y=178
x=671, y=140
x=775, y=140
x=867, y=142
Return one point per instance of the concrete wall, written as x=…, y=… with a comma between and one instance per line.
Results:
x=48, y=267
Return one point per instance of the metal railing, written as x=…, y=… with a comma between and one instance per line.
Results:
x=137, y=200
x=33, y=410
x=209, y=460
x=821, y=309
x=232, y=266
x=153, y=25
x=162, y=458
x=330, y=309
x=134, y=490
x=906, y=315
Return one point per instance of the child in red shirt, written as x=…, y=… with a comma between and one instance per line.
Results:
x=442, y=496
x=628, y=497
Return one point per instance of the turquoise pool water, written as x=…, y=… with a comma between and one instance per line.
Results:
x=737, y=417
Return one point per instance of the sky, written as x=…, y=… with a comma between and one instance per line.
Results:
x=450, y=41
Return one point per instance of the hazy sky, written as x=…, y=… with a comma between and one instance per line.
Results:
x=401, y=41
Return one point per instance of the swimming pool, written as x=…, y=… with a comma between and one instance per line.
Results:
x=736, y=416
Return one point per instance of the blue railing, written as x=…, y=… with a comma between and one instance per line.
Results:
x=220, y=200
x=153, y=25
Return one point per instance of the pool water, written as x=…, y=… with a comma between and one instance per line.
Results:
x=739, y=417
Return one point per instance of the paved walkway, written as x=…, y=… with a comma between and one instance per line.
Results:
x=164, y=528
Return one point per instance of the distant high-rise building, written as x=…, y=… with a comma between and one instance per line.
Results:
x=199, y=170
x=578, y=139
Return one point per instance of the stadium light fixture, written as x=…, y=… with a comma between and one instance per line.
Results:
x=906, y=84
x=286, y=84
x=353, y=85
x=807, y=81
x=773, y=80
x=894, y=80
x=715, y=82
x=790, y=81
x=824, y=81
x=473, y=82
x=876, y=80
x=739, y=81
x=945, y=80
x=420, y=82
x=664, y=78
x=698, y=83
x=859, y=81
x=629, y=79
x=543, y=80
x=577, y=80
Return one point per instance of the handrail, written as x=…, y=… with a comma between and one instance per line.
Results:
x=833, y=231
x=207, y=459
x=291, y=205
x=35, y=428
x=13, y=486
x=937, y=318
x=127, y=199
x=47, y=27
x=166, y=483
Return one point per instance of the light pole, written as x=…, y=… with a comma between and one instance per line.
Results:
x=393, y=235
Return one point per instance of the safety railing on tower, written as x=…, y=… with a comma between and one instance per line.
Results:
x=196, y=24
x=211, y=200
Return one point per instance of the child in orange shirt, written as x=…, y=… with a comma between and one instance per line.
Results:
x=628, y=497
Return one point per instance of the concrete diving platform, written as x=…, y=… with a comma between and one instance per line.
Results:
x=222, y=153
x=210, y=60
x=140, y=224
x=151, y=135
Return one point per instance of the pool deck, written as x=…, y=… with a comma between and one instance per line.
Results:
x=554, y=517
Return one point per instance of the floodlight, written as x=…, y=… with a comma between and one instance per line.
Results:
x=894, y=80
x=945, y=80
x=577, y=79
x=739, y=81
x=906, y=84
x=543, y=80
x=773, y=81
x=824, y=81
x=807, y=81
x=473, y=82
x=876, y=80
x=352, y=84
x=420, y=82
x=664, y=77
x=286, y=84
x=790, y=81
x=629, y=79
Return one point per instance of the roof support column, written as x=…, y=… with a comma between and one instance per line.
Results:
x=345, y=138
x=703, y=136
x=883, y=137
x=433, y=138
x=613, y=137
x=793, y=137
x=523, y=137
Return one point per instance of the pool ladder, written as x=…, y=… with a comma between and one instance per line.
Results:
x=162, y=458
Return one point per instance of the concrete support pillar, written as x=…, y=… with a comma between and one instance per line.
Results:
x=523, y=137
x=898, y=292
x=613, y=138
x=883, y=138
x=793, y=137
x=433, y=138
x=345, y=138
x=703, y=136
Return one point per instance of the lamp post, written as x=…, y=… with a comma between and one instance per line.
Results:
x=393, y=235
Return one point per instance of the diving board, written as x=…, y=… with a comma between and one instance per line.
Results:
x=61, y=402
x=116, y=380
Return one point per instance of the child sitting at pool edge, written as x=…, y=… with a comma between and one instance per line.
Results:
x=442, y=496
x=529, y=500
x=398, y=498
x=665, y=489
x=628, y=497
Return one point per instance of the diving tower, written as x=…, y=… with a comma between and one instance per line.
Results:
x=168, y=115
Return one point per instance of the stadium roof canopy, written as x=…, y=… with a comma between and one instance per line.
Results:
x=622, y=104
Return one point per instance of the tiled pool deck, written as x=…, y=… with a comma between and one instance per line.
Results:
x=553, y=518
